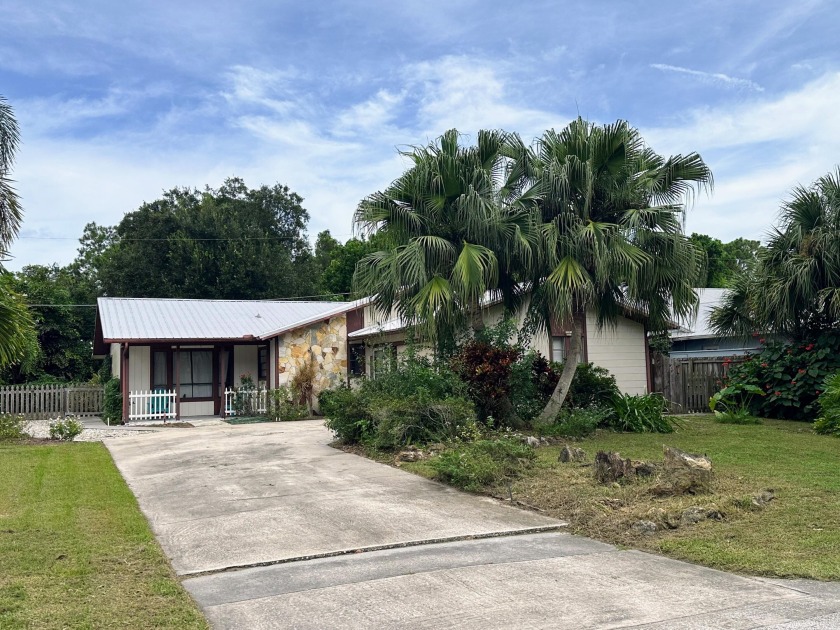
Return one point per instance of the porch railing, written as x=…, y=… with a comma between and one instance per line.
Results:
x=158, y=404
x=240, y=400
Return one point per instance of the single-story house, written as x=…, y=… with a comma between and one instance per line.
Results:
x=180, y=358
x=622, y=349
x=696, y=339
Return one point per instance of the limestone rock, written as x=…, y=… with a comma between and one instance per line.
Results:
x=644, y=527
x=762, y=498
x=532, y=441
x=410, y=455
x=697, y=513
x=609, y=467
x=571, y=454
x=684, y=473
x=693, y=515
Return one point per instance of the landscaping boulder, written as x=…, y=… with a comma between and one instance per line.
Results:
x=693, y=515
x=609, y=467
x=644, y=527
x=572, y=455
x=410, y=455
x=697, y=513
x=684, y=473
x=762, y=498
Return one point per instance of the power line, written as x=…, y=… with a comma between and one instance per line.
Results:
x=290, y=299
x=179, y=238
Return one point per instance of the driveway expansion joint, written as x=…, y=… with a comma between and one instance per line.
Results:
x=398, y=545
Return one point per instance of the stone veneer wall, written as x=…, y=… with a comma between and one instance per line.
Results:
x=325, y=343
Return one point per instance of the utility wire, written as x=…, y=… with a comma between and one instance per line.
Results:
x=291, y=299
x=178, y=238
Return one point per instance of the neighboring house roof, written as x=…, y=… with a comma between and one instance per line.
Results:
x=130, y=319
x=393, y=325
x=699, y=327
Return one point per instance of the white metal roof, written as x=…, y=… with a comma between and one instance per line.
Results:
x=699, y=326
x=125, y=319
x=376, y=329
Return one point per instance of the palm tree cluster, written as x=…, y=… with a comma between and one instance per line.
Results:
x=587, y=219
x=16, y=327
x=794, y=288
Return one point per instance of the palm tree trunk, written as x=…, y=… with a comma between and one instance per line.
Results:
x=558, y=396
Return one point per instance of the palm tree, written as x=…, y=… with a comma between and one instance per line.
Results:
x=610, y=211
x=15, y=321
x=451, y=238
x=794, y=289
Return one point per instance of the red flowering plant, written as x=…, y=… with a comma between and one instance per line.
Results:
x=792, y=373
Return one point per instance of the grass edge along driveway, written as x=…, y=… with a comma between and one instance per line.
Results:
x=75, y=550
x=796, y=536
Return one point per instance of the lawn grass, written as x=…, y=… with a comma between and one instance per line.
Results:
x=75, y=550
x=796, y=535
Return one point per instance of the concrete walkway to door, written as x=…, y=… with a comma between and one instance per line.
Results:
x=272, y=528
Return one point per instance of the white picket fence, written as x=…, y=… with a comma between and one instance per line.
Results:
x=152, y=405
x=255, y=398
x=41, y=402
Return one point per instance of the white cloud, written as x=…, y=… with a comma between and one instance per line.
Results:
x=710, y=77
x=758, y=150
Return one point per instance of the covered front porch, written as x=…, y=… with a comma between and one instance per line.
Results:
x=171, y=381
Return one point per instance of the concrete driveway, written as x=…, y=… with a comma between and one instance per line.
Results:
x=272, y=528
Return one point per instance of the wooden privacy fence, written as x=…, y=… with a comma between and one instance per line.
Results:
x=42, y=402
x=687, y=384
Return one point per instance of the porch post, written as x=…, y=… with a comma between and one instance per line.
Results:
x=223, y=361
x=124, y=380
x=177, y=383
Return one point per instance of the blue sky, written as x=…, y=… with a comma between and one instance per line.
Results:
x=119, y=101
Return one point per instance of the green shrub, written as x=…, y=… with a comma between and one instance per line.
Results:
x=732, y=404
x=414, y=403
x=483, y=463
x=347, y=414
x=281, y=406
x=640, y=414
x=112, y=405
x=829, y=401
x=791, y=374
x=65, y=429
x=11, y=427
x=592, y=386
x=577, y=423
x=419, y=419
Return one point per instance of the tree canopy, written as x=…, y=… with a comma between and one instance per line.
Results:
x=231, y=242
x=588, y=218
x=794, y=287
x=449, y=238
x=725, y=261
x=610, y=214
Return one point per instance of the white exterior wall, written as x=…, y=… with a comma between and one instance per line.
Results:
x=244, y=362
x=621, y=350
x=204, y=408
x=139, y=369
